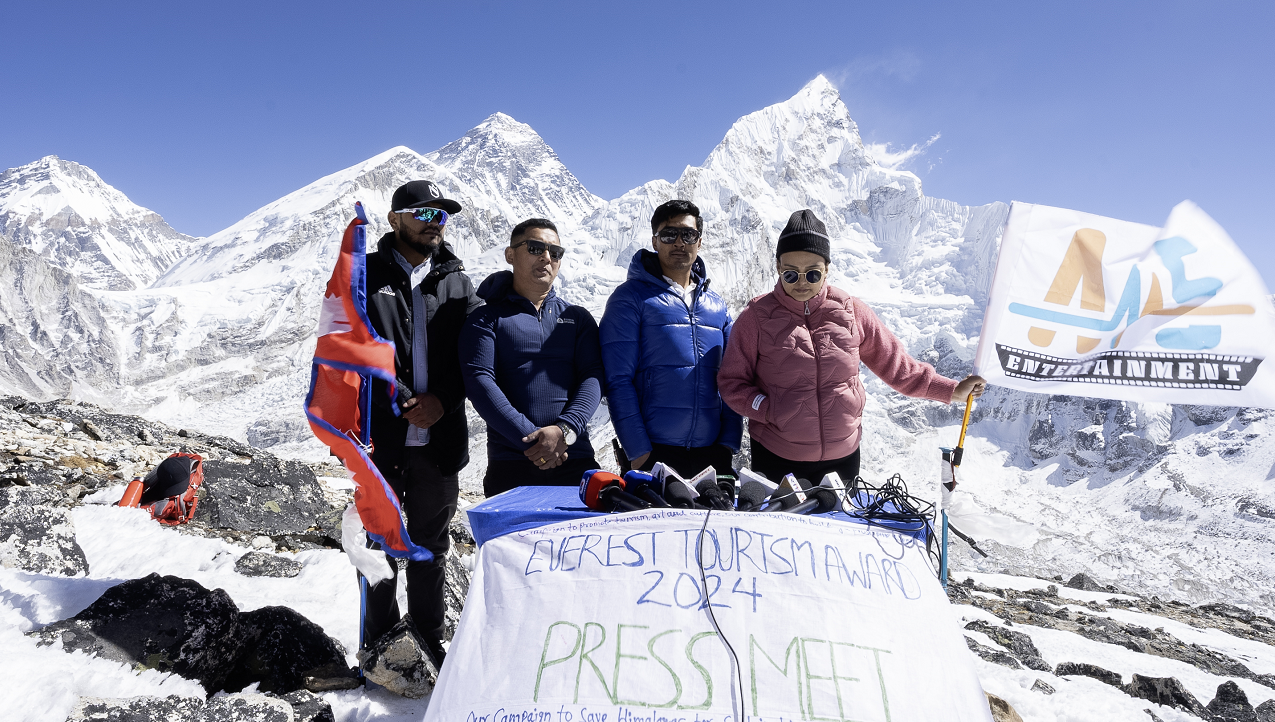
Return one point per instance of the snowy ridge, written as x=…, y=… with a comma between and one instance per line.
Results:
x=1174, y=501
x=66, y=214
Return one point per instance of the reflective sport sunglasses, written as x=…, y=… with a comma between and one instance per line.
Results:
x=427, y=215
x=538, y=248
x=669, y=236
x=791, y=277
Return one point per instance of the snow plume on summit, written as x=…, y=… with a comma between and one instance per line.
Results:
x=1173, y=501
x=72, y=219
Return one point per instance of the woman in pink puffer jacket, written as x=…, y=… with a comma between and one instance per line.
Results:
x=792, y=364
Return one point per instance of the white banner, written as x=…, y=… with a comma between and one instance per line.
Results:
x=1091, y=306
x=606, y=619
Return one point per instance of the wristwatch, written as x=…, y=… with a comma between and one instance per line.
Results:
x=568, y=434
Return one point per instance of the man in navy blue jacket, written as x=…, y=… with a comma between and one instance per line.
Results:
x=663, y=336
x=532, y=368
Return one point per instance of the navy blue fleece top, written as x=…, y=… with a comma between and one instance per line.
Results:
x=525, y=369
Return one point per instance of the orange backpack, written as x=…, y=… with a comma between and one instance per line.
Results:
x=169, y=490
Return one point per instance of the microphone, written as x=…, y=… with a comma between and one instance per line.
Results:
x=790, y=493
x=604, y=491
x=729, y=486
x=711, y=495
x=680, y=494
x=821, y=499
x=645, y=487
x=754, y=490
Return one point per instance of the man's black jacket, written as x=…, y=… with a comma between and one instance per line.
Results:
x=449, y=297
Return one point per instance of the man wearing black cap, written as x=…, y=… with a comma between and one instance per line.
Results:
x=418, y=297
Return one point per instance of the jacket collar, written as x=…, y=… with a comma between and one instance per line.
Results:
x=799, y=307
x=645, y=266
x=499, y=287
x=445, y=260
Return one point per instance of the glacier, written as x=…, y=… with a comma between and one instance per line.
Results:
x=111, y=305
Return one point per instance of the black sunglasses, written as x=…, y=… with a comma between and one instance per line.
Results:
x=538, y=248
x=791, y=277
x=689, y=236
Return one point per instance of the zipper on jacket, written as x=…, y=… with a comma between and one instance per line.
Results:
x=818, y=383
x=690, y=315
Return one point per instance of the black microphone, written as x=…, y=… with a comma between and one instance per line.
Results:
x=729, y=486
x=821, y=499
x=645, y=487
x=791, y=492
x=604, y=491
x=680, y=494
x=711, y=495
x=755, y=490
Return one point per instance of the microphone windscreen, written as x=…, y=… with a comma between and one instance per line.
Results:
x=826, y=497
x=591, y=485
x=711, y=493
x=634, y=480
x=680, y=494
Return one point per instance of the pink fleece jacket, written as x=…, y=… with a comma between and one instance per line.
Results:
x=793, y=370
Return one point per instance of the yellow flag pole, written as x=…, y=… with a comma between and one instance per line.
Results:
x=956, y=455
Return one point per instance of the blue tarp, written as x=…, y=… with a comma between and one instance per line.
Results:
x=527, y=507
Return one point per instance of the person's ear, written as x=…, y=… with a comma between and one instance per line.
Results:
x=392, y=217
x=509, y=255
x=655, y=243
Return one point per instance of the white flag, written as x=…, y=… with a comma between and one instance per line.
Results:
x=1090, y=306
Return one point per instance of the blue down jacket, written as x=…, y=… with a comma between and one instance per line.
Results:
x=661, y=359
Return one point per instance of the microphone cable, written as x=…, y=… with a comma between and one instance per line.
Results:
x=892, y=502
x=737, y=700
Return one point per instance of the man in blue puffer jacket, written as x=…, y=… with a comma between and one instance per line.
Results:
x=663, y=336
x=532, y=368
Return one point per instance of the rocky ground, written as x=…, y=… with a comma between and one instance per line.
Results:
x=55, y=456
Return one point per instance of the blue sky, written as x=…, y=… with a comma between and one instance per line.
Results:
x=206, y=112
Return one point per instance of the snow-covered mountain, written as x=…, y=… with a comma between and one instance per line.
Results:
x=73, y=220
x=1174, y=501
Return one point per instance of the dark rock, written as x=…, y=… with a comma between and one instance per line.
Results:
x=332, y=676
x=1040, y=686
x=1231, y=704
x=1167, y=691
x=136, y=709
x=1089, y=670
x=263, y=564
x=995, y=656
x=247, y=708
x=266, y=496
x=1154, y=717
x=1082, y=581
x=164, y=623
x=1020, y=644
x=399, y=662
x=1266, y=711
x=36, y=535
x=281, y=647
x=455, y=589
x=308, y=707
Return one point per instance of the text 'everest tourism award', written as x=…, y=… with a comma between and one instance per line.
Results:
x=1090, y=306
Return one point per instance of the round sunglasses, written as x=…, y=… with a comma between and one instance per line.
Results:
x=538, y=248
x=791, y=277
x=427, y=215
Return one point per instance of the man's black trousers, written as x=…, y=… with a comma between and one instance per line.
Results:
x=689, y=461
x=429, y=501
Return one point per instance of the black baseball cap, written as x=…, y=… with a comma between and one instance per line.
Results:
x=415, y=194
x=170, y=478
